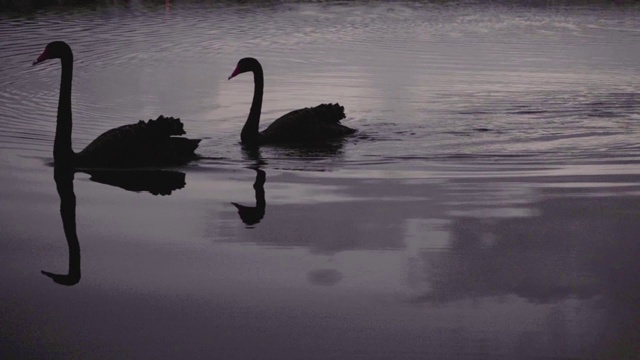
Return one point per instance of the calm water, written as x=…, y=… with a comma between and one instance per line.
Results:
x=487, y=208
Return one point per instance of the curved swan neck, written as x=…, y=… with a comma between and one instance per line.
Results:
x=62, y=150
x=250, y=133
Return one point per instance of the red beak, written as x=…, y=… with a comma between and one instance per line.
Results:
x=235, y=72
x=41, y=58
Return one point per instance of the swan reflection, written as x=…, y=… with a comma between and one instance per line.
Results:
x=251, y=215
x=156, y=182
x=64, y=184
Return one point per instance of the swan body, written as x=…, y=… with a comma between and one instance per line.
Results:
x=144, y=144
x=151, y=143
x=312, y=125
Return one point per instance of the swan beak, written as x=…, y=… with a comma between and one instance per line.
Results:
x=41, y=58
x=235, y=72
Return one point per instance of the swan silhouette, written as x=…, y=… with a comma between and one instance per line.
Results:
x=152, y=143
x=314, y=125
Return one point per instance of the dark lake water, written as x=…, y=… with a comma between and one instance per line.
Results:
x=487, y=207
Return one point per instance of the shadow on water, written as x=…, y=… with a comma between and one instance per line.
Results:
x=156, y=182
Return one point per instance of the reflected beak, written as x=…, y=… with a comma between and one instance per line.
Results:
x=41, y=58
x=235, y=72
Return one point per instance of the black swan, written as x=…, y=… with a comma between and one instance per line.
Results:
x=314, y=125
x=144, y=144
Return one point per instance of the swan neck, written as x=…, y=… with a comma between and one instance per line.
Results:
x=250, y=133
x=62, y=150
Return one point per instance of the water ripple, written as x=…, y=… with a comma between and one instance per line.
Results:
x=422, y=81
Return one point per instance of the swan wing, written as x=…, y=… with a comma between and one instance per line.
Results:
x=150, y=143
x=308, y=125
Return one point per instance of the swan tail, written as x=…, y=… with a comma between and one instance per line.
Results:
x=184, y=148
x=180, y=149
x=331, y=113
x=163, y=126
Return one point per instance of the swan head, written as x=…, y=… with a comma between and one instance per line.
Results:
x=245, y=65
x=54, y=50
